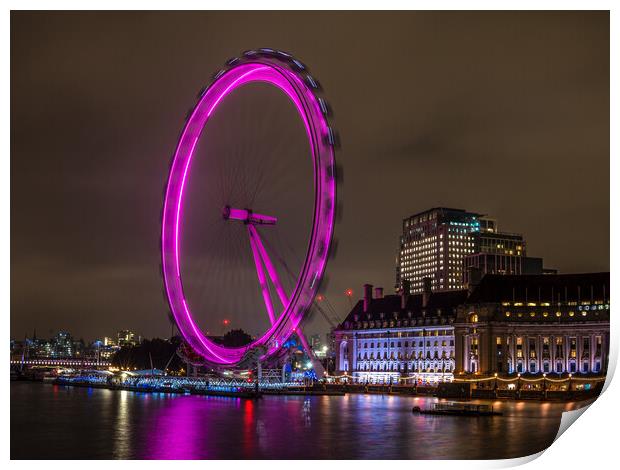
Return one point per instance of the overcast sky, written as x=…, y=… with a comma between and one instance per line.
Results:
x=501, y=113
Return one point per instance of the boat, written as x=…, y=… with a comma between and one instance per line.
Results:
x=453, y=408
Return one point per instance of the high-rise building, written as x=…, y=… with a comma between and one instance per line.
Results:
x=62, y=345
x=433, y=245
x=499, y=253
x=456, y=248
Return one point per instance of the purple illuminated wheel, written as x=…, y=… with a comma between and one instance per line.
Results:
x=291, y=78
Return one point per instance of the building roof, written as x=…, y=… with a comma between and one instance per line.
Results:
x=440, y=304
x=541, y=287
x=444, y=209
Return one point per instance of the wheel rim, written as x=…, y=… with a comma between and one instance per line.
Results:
x=290, y=77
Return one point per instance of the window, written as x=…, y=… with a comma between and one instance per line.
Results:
x=586, y=345
x=573, y=348
x=599, y=342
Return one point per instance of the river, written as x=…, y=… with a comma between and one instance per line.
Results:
x=62, y=422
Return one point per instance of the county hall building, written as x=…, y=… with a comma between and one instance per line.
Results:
x=504, y=324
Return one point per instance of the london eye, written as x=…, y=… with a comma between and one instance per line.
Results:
x=249, y=208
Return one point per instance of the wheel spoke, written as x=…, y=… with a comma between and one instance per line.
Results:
x=261, y=276
x=271, y=270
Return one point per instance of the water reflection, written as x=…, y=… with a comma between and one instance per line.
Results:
x=177, y=431
x=66, y=422
x=122, y=429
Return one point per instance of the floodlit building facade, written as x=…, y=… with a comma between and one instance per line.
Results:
x=385, y=338
x=526, y=324
x=536, y=324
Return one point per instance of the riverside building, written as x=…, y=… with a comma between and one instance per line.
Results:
x=536, y=324
x=527, y=324
x=386, y=338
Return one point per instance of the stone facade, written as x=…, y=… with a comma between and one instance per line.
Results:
x=539, y=324
x=389, y=338
x=535, y=324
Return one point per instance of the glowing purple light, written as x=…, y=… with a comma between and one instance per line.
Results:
x=276, y=73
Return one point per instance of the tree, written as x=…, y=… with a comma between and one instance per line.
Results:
x=158, y=350
x=236, y=339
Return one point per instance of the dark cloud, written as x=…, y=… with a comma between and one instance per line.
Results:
x=504, y=113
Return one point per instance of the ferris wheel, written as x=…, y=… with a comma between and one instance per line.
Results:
x=215, y=186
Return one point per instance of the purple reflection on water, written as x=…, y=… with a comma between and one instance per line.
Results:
x=176, y=431
x=67, y=422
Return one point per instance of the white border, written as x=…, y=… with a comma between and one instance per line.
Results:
x=590, y=444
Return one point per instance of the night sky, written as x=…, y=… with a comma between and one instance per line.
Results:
x=502, y=113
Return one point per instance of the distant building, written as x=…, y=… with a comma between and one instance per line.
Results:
x=315, y=342
x=103, y=350
x=498, y=253
x=319, y=347
x=530, y=324
x=454, y=248
x=62, y=345
x=127, y=338
x=433, y=244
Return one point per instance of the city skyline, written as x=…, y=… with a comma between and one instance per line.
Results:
x=84, y=252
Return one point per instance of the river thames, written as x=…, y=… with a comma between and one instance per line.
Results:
x=61, y=422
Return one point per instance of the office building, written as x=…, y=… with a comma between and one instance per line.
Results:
x=433, y=245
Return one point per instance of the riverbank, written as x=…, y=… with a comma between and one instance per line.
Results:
x=196, y=387
x=217, y=391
